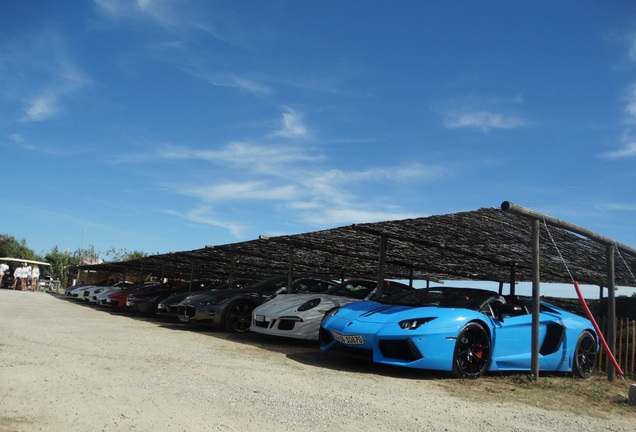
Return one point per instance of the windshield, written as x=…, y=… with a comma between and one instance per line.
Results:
x=468, y=298
x=357, y=289
x=311, y=286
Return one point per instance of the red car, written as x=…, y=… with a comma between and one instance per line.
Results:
x=117, y=299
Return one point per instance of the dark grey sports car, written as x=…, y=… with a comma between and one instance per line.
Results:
x=168, y=306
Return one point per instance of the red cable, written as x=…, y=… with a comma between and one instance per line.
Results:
x=598, y=330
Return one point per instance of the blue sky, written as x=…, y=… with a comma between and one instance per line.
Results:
x=160, y=125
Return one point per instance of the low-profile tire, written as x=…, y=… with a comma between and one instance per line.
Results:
x=585, y=354
x=238, y=317
x=471, y=356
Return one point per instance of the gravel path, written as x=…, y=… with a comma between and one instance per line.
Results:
x=69, y=367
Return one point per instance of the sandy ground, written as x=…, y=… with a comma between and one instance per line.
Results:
x=70, y=367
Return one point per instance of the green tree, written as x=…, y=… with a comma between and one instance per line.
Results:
x=10, y=247
x=86, y=256
x=120, y=255
x=60, y=264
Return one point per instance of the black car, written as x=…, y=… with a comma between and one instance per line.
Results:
x=232, y=309
x=168, y=306
x=145, y=301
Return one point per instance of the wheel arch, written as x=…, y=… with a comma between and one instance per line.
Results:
x=467, y=363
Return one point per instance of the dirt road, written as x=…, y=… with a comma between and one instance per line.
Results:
x=68, y=367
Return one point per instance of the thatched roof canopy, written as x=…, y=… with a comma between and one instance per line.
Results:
x=484, y=244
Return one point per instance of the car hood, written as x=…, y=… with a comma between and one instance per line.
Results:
x=288, y=304
x=379, y=313
x=208, y=296
x=158, y=292
x=178, y=297
x=211, y=295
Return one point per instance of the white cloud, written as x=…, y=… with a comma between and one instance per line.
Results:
x=627, y=151
x=292, y=125
x=161, y=12
x=630, y=105
x=40, y=76
x=177, y=17
x=247, y=85
x=253, y=158
x=295, y=178
x=483, y=120
x=204, y=215
x=481, y=113
x=248, y=190
x=42, y=107
x=346, y=216
x=631, y=49
x=629, y=207
x=628, y=141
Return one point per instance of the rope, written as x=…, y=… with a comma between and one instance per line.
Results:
x=624, y=262
x=609, y=353
x=557, y=249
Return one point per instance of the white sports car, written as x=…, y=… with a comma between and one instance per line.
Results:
x=298, y=316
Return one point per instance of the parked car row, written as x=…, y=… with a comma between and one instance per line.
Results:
x=465, y=331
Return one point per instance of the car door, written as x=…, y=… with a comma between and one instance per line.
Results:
x=512, y=340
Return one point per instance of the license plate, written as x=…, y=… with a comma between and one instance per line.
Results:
x=348, y=340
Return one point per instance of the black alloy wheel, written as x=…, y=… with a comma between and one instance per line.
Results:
x=585, y=354
x=472, y=352
x=238, y=317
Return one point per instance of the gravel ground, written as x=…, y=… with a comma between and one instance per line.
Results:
x=69, y=367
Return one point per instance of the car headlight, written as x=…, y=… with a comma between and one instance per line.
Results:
x=309, y=304
x=331, y=312
x=413, y=323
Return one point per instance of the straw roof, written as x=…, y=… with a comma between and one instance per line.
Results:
x=486, y=244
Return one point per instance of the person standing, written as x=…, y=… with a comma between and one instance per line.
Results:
x=27, y=278
x=35, y=278
x=17, y=276
x=3, y=269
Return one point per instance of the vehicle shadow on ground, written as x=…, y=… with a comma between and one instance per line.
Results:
x=301, y=351
x=308, y=353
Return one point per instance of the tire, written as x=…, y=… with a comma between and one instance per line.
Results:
x=238, y=317
x=585, y=354
x=471, y=356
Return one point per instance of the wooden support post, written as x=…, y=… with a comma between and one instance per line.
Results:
x=381, y=260
x=536, y=298
x=513, y=278
x=290, y=269
x=191, y=276
x=611, y=309
x=632, y=395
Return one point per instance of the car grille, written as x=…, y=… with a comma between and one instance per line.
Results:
x=365, y=354
x=186, y=310
x=400, y=349
x=325, y=336
x=262, y=324
x=286, y=324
